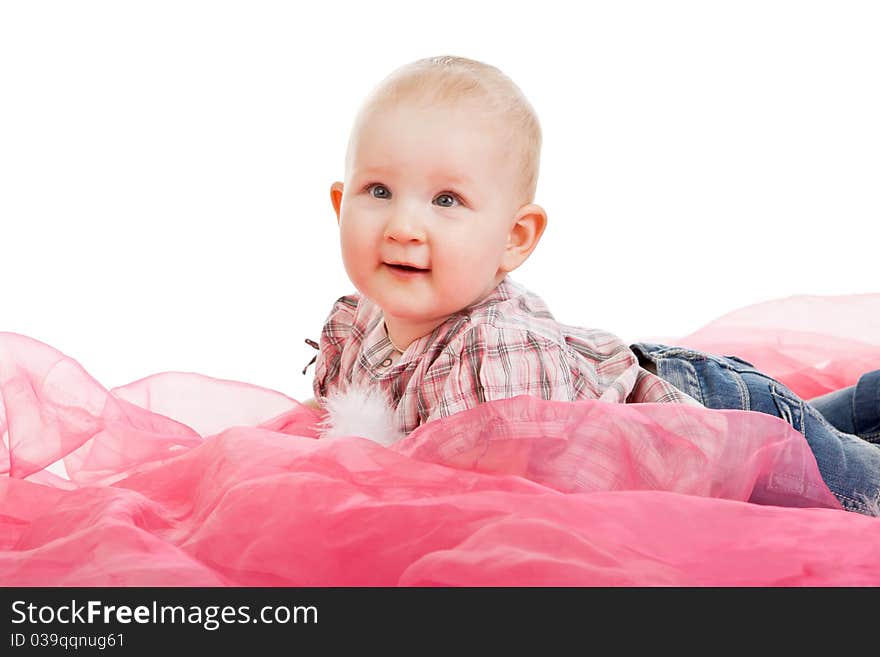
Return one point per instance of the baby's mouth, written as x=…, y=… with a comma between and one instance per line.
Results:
x=407, y=268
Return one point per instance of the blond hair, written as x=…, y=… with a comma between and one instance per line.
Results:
x=450, y=80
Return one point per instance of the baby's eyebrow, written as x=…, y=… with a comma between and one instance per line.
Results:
x=435, y=177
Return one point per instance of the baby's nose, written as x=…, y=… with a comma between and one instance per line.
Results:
x=404, y=227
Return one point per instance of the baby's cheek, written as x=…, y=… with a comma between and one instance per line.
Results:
x=474, y=262
x=355, y=261
x=353, y=245
x=463, y=277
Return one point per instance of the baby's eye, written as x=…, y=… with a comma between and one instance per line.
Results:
x=378, y=190
x=446, y=200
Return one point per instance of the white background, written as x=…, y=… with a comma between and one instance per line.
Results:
x=165, y=166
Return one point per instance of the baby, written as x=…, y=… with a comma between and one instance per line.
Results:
x=437, y=208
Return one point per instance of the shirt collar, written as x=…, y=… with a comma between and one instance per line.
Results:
x=377, y=350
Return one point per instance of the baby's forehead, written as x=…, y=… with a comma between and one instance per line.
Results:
x=472, y=167
x=478, y=109
x=423, y=124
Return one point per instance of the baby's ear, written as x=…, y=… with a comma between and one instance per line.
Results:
x=336, y=197
x=531, y=220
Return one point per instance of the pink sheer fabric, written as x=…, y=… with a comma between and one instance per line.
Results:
x=185, y=480
x=812, y=344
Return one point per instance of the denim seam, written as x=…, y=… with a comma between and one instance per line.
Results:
x=852, y=402
x=737, y=376
x=749, y=370
x=692, y=381
x=850, y=503
x=743, y=390
x=790, y=404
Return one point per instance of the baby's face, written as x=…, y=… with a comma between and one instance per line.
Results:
x=432, y=188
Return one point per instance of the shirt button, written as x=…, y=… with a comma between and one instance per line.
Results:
x=386, y=362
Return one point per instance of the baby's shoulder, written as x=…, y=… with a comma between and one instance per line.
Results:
x=340, y=322
x=346, y=305
x=344, y=311
x=496, y=332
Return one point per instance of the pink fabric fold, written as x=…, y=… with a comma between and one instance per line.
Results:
x=180, y=479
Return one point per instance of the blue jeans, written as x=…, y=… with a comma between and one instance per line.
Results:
x=849, y=463
x=855, y=409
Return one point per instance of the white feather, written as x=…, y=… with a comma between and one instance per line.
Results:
x=363, y=412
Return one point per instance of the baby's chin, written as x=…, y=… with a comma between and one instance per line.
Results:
x=416, y=306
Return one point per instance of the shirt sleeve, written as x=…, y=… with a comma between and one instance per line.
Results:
x=650, y=388
x=610, y=371
x=490, y=363
x=336, y=331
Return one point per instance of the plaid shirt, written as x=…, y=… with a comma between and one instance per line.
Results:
x=506, y=345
